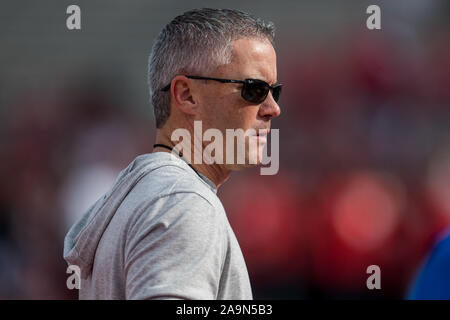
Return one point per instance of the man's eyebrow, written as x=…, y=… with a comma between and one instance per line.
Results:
x=265, y=80
x=272, y=83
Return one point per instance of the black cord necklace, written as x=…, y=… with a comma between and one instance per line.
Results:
x=180, y=154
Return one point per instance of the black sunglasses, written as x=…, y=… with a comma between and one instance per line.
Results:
x=254, y=90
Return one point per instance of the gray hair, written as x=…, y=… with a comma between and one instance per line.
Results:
x=197, y=42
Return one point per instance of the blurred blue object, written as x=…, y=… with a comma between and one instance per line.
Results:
x=433, y=280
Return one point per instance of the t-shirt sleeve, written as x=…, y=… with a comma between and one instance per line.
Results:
x=176, y=250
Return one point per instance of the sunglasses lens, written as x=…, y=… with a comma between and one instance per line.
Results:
x=276, y=93
x=255, y=91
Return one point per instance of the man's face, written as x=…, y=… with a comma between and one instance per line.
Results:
x=223, y=106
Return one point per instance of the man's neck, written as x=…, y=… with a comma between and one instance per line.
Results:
x=218, y=174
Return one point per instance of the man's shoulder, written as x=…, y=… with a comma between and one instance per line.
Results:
x=162, y=174
x=181, y=205
x=171, y=179
x=167, y=191
x=168, y=178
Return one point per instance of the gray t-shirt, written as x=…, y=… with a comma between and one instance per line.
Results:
x=160, y=232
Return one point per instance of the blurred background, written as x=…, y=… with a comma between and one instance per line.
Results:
x=364, y=139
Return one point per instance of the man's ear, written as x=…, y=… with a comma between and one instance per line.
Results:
x=182, y=92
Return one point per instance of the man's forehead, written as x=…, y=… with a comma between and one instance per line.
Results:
x=253, y=58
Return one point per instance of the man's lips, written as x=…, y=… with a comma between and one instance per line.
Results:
x=261, y=135
x=262, y=132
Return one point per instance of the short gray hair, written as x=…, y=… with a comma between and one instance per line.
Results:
x=197, y=42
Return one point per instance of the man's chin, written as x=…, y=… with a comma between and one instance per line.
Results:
x=246, y=165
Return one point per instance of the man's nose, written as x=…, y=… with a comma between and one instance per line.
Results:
x=269, y=108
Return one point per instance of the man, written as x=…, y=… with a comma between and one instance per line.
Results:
x=161, y=232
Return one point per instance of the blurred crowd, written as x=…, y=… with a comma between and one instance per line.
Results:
x=61, y=150
x=364, y=173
